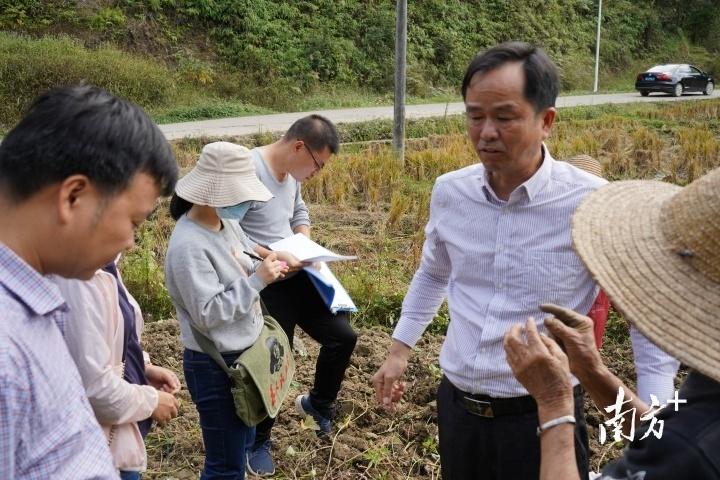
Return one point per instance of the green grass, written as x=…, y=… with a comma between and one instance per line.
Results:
x=205, y=110
x=203, y=59
x=201, y=108
x=29, y=67
x=196, y=90
x=333, y=97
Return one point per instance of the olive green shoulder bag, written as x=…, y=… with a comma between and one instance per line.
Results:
x=261, y=375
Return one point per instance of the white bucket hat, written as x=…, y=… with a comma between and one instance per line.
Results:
x=223, y=176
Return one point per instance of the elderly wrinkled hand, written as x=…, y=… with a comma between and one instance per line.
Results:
x=574, y=333
x=540, y=365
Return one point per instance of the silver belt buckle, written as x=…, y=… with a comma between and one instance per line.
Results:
x=478, y=407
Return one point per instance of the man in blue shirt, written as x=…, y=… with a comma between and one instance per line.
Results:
x=79, y=173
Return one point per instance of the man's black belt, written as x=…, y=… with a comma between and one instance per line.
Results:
x=491, y=407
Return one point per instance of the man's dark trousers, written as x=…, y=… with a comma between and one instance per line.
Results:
x=295, y=301
x=505, y=447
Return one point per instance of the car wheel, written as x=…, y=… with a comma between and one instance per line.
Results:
x=678, y=90
x=709, y=87
x=644, y=93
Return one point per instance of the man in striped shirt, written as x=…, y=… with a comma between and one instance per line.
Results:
x=497, y=246
x=78, y=174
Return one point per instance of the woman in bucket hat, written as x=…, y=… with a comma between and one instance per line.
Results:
x=215, y=288
x=657, y=258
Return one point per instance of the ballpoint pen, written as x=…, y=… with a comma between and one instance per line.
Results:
x=253, y=256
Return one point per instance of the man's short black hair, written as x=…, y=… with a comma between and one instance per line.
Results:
x=316, y=131
x=83, y=130
x=542, y=83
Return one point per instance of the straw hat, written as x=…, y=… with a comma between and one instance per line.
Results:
x=655, y=249
x=223, y=176
x=587, y=163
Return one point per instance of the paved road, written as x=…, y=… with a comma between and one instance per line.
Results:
x=281, y=121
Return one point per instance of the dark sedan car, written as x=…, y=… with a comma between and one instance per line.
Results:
x=674, y=79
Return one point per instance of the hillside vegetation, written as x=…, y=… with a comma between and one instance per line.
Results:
x=185, y=59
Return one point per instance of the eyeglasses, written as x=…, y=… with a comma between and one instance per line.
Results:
x=317, y=164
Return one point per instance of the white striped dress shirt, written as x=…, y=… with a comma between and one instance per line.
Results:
x=656, y=370
x=496, y=262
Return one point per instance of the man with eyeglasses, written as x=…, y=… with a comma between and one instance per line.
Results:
x=282, y=166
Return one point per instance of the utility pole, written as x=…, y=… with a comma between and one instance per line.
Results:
x=597, y=47
x=400, y=61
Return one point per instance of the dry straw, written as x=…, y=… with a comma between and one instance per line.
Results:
x=653, y=247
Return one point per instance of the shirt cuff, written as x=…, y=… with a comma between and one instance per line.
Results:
x=152, y=397
x=660, y=384
x=408, y=332
x=256, y=282
x=297, y=223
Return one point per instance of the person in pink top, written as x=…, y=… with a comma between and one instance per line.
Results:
x=125, y=390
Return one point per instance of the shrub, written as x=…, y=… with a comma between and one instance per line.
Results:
x=29, y=67
x=142, y=267
x=108, y=19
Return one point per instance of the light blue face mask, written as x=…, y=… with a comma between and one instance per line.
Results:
x=235, y=212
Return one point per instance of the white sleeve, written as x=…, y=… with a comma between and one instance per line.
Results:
x=429, y=284
x=655, y=369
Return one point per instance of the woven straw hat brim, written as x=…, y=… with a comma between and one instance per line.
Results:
x=616, y=232
x=215, y=190
x=589, y=164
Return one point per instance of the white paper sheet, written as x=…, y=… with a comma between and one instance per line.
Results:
x=306, y=250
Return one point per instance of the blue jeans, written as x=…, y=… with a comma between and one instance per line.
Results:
x=128, y=475
x=226, y=437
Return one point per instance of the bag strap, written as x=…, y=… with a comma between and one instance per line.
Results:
x=263, y=308
x=209, y=347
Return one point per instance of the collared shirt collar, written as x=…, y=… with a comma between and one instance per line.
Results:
x=535, y=184
x=37, y=292
x=531, y=187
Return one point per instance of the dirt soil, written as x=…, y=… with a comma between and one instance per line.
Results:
x=366, y=443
